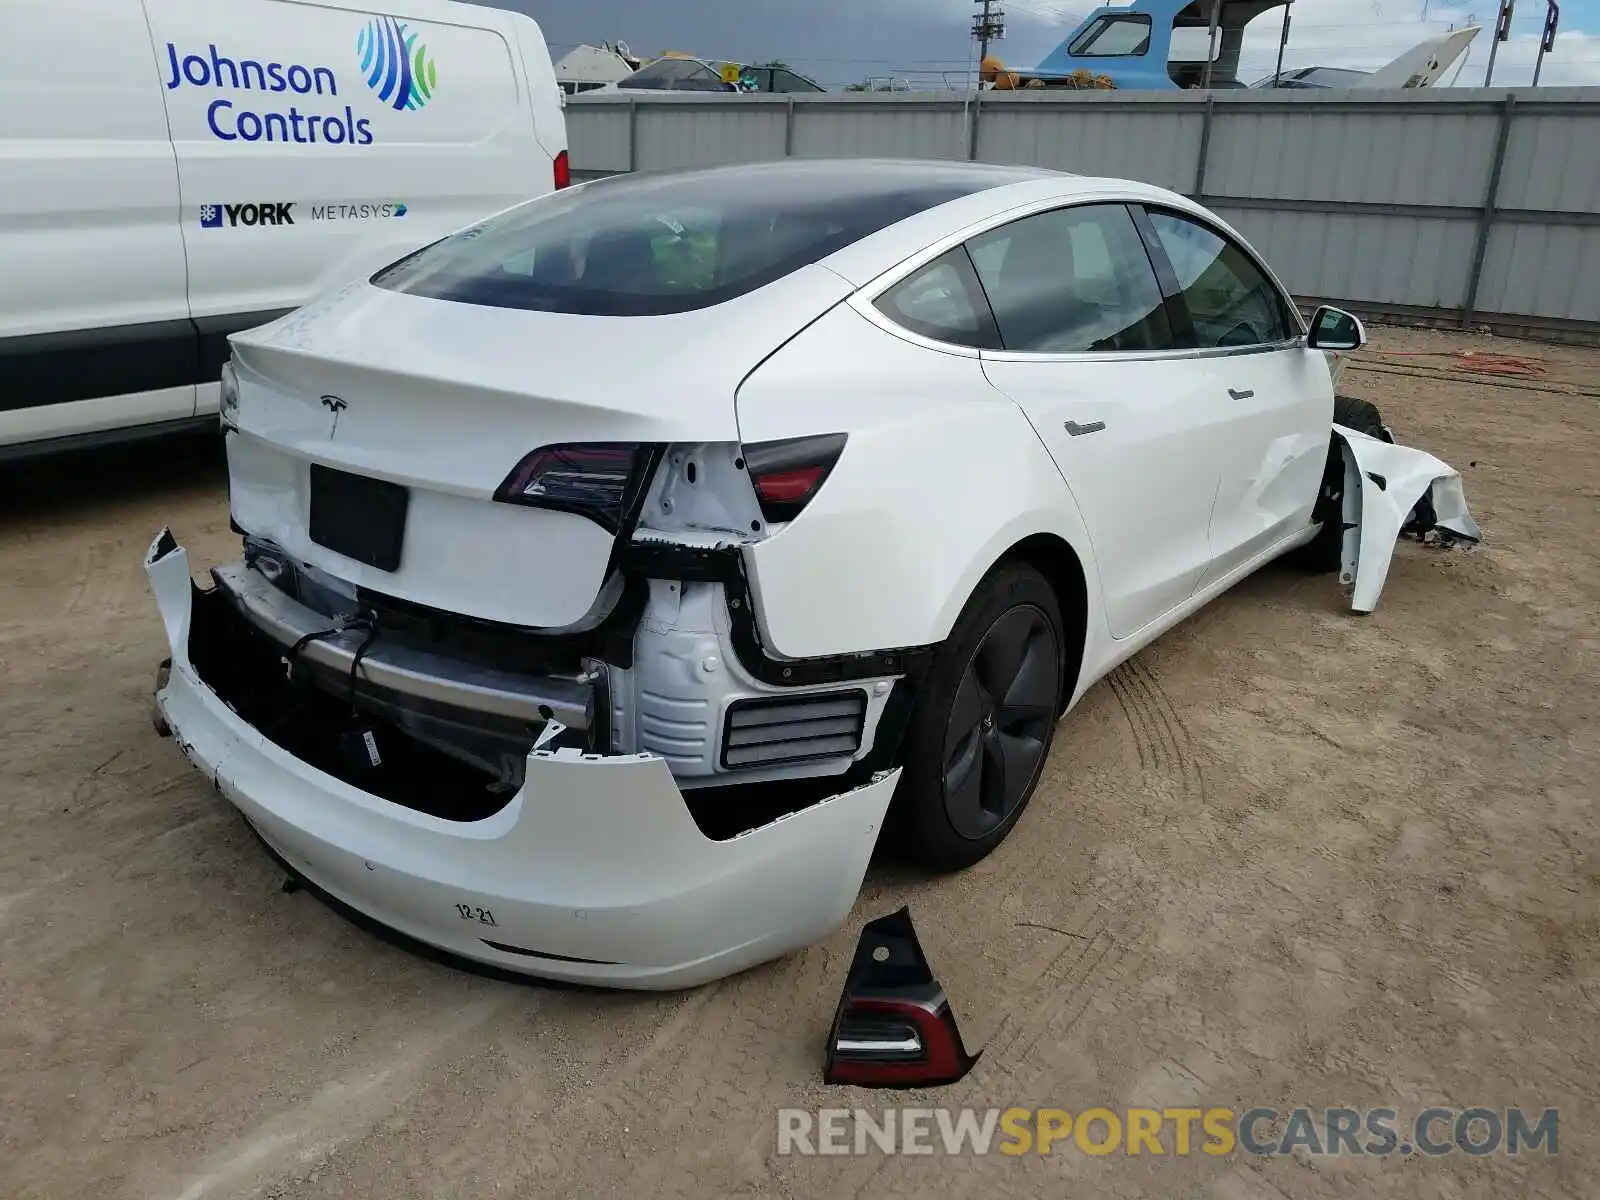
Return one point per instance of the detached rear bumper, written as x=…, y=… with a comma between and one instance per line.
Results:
x=594, y=872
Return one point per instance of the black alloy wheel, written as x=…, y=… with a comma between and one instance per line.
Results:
x=1000, y=721
x=982, y=723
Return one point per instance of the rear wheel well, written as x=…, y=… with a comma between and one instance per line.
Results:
x=1055, y=559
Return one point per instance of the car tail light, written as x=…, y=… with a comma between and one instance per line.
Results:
x=563, y=170
x=598, y=480
x=788, y=473
x=893, y=1027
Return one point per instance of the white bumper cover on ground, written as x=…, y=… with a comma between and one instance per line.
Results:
x=1382, y=484
x=595, y=871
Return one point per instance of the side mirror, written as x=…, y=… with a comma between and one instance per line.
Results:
x=1335, y=329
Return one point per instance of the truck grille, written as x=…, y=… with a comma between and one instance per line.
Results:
x=770, y=731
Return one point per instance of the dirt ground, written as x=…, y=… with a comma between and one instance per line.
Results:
x=1286, y=857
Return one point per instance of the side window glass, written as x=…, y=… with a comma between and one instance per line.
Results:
x=1072, y=281
x=1232, y=302
x=1114, y=37
x=938, y=302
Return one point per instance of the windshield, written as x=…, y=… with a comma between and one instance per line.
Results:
x=675, y=75
x=1113, y=37
x=642, y=245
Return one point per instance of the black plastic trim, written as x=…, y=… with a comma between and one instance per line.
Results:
x=117, y=360
x=1179, y=319
x=507, y=949
x=100, y=438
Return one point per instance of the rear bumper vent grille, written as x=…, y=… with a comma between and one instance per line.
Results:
x=768, y=732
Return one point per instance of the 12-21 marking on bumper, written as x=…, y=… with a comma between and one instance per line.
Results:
x=471, y=912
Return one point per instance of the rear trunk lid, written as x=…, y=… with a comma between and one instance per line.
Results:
x=444, y=399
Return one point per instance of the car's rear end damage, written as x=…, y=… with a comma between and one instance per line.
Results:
x=489, y=669
x=636, y=812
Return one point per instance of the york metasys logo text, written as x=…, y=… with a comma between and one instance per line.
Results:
x=307, y=102
x=278, y=213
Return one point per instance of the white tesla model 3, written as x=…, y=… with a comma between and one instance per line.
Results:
x=616, y=570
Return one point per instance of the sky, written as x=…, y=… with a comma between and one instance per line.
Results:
x=838, y=42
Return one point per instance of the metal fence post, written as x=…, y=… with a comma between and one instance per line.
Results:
x=788, y=129
x=1205, y=146
x=972, y=125
x=1480, y=253
x=633, y=133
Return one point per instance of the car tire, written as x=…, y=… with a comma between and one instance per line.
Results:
x=982, y=723
x=1324, y=553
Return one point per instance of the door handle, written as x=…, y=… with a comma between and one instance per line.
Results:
x=1245, y=395
x=1077, y=430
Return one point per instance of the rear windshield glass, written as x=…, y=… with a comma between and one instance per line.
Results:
x=642, y=245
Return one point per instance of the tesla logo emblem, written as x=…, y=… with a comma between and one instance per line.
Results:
x=336, y=406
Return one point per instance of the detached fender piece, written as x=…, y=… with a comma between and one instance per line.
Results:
x=1383, y=484
x=593, y=872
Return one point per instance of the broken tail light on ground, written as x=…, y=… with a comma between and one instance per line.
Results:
x=894, y=1027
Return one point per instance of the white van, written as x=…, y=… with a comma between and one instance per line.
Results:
x=178, y=170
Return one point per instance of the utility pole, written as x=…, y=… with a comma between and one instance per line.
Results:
x=1502, y=33
x=1552, y=18
x=1211, y=41
x=988, y=27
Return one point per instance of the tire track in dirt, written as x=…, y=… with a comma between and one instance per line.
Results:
x=1105, y=948
x=1159, y=731
x=344, y=1109
x=103, y=585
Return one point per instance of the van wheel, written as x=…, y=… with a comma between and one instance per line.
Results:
x=982, y=724
x=1323, y=554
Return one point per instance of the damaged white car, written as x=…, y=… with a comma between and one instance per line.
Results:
x=617, y=570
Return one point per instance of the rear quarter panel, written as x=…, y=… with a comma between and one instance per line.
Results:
x=941, y=475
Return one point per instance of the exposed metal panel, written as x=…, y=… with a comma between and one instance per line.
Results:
x=707, y=135
x=597, y=137
x=891, y=131
x=1553, y=163
x=1543, y=271
x=1415, y=261
x=1095, y=139
x=1409, y=158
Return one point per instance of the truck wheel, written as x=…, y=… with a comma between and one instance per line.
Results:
x=1322, y=555
x=982, y=724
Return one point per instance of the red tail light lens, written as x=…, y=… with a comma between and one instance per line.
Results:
x=787, y=474
x=598, y=480
x=563, y=170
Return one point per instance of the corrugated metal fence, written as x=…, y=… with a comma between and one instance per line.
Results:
x=1442, y=206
